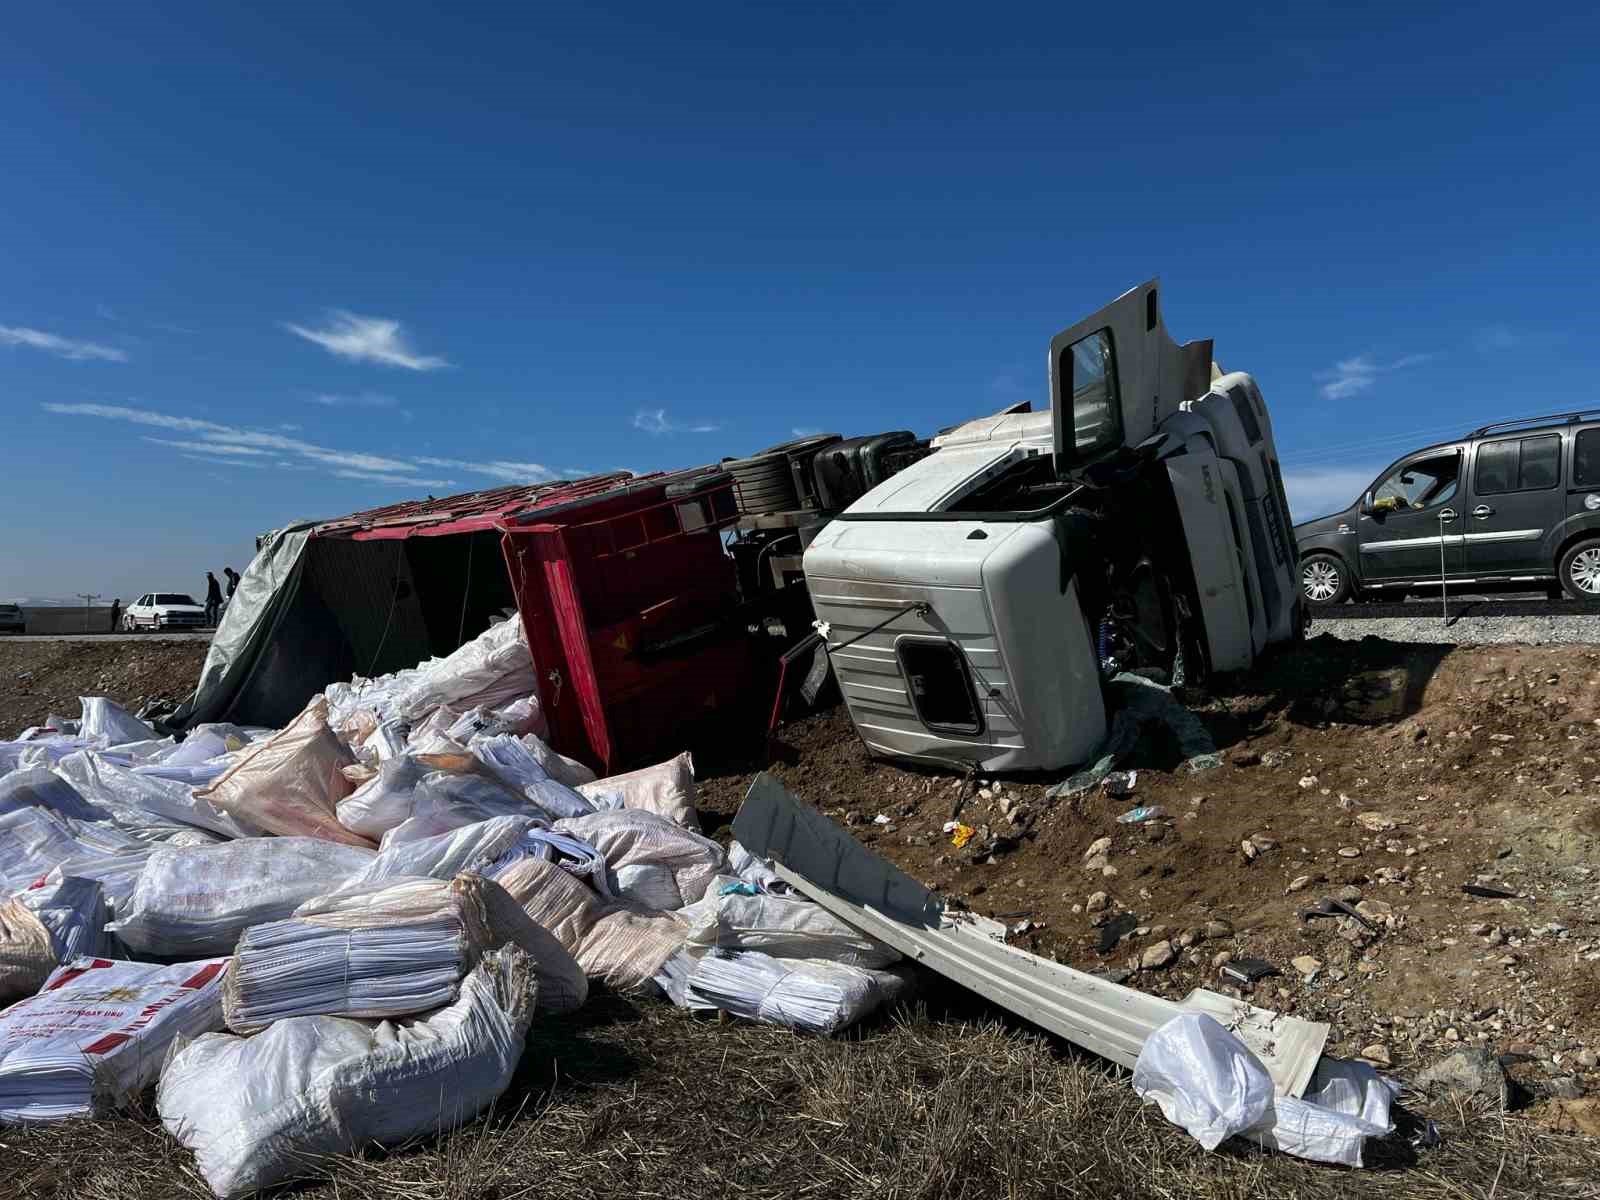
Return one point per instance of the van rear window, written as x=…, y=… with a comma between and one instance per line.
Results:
x=1586, y=459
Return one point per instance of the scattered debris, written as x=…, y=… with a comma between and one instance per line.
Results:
x=1136, y=816
x=1249, y=970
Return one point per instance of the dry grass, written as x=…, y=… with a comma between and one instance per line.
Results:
x=646, y=1101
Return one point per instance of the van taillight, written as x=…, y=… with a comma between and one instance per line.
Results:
x=940, y=685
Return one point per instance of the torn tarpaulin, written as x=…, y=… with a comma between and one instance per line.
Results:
x=1136, y=703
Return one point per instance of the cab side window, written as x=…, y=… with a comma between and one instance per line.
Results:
x=1586, y=459
x=1420, y=484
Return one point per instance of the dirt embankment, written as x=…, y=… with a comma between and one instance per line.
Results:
x=40, y=678
x=1387, y=776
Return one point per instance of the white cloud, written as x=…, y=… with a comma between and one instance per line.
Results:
x=367, y=339
x=1353, y=375
x=654, y=420
x=17, y=335
x=229, y=443
x=511, y=472
x=398, y=480
x=1319, y=491
x=363, y=400
x=805, y=431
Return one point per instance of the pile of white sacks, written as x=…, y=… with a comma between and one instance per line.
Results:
x=338, y=933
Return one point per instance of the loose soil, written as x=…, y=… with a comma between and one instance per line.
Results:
x=1387, y=774
x=38, y=679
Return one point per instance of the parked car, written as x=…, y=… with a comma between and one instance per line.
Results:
x=11, y=619
x=163, y=610
x=1513, y=502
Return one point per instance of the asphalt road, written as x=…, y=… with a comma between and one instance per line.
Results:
x=203, y=636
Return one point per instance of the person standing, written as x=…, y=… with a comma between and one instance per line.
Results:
x=213, y=599
x=116, y=613
x=233, y=580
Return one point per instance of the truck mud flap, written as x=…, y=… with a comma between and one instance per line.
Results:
x=825, y=863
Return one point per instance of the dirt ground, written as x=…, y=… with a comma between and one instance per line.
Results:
x=1430, y=767
x=1387, y=775
x=41, y=678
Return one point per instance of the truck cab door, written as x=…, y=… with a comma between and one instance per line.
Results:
x=1412, y=529
x=1116, y=375
x=1516, y=500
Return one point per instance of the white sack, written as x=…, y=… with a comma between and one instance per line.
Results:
x=820, y=997
x=786, y=928
x=39, y=787
x=145, y=803
x=32, y=840
x=633, y=837
x=197, y=901
x=117, y=874
x=97, y=1033
x=469, y=848
x=107, y=723
x=444, y=800
x=649, y=884
x=666, y=789
x=385, y=800
x=512, y=762
x=258, y=1111
x=1208, y=1081
x=71, y=917
x=291, y=784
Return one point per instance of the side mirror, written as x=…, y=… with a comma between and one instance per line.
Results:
x=1366, y=505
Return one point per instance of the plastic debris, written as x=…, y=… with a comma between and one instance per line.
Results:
x=1135, y=702
x=1144, y=812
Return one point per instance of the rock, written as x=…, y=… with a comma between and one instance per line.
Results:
x=1188, y=938
x=1377, y=1054
x=1570, y=1116
x=1469, y=1074
x=1306, y=965
x=1376, y=822
x=1097, y=902
x=1452, y=1034
x=1507, y=960
x=1217, y=928
x=1275, y=758
x=1478, y=929
x=1249, y=849
x=1349, y=893
x=1298, y=883
x=1375, y=910
x=1157, y=956
x=1099, y=848
x=1220, y=960
x=1108, y=872
x=1263, y=842
x=1588, y=1058
x=1565, y=1087
x=1246, y=758
x=1309, y=781
x=1349, y=852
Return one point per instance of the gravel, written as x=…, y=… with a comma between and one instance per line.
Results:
x=1465, y=631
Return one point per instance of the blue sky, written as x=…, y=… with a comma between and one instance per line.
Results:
x=259, y=265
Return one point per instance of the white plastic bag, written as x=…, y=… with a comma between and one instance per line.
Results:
x=39, y=787
x=1203, y=1078
x=514, y=764
x=257, y=1111
x=145, y=804
x=1344, y=1104
x=786, y=928
x=97, y=1032
x=666, y=789
x=194, y=901
x=32, y=840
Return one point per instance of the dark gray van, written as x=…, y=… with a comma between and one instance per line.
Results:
x=1514, y=502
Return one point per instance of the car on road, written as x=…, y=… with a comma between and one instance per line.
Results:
x=163, y=610
x=1517, y=502
x=12, y=620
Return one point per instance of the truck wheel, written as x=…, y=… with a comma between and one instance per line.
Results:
x=1323, y=579
x=1580, y=570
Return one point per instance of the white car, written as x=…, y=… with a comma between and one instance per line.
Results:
x=163, y=610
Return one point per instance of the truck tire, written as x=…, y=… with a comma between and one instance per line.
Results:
x=1324, y=579
x=1579, y=570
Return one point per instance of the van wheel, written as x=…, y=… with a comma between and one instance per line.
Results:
x=1580, y=570
x=1323, y=579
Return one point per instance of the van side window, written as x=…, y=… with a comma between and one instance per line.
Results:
x=1586, y=459
x=1541, y=463
x=1497, y=468
x=1422, y=483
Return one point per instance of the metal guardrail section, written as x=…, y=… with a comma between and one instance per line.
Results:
x=825, y=863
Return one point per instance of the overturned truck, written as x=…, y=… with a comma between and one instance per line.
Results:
x=973, y=602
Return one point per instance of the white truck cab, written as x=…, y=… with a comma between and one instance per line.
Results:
x=973, y=603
